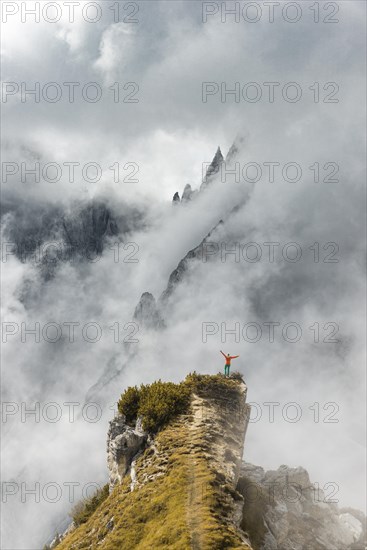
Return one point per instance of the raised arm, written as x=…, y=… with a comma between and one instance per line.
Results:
x=222, y=353
x=234, y=356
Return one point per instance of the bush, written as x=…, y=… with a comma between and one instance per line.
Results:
x=216, y=385
x=157, y=403
x=129, y=404
x=162, y=401
x=85, y=508
x=235, y=375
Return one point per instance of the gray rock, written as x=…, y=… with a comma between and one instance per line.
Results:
x=49, y=235
x=187, y=193
x=211, y=172
x=123, y=443
x=147, y=314
x=294, y=513
x=255, y=473
x=176, y=199
x=213, y=169
x=86, y=228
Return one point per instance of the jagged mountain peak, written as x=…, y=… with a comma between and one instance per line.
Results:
x=146, y=313
x=211, y=171
x=213, y=168
x=218, y=155
x=187, y=193
x=176, y=198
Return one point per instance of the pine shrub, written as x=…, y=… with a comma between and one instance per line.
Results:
x=129, y=404
x=157, y=403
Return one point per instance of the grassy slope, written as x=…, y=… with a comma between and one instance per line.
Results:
x=184, y=508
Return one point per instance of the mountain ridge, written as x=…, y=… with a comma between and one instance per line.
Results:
x=177, y=480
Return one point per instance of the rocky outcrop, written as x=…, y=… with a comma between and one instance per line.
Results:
x=188, y=487
x=176, y=199
x=147, y=314
x=219, y=425
x=212, y=169
x=49, y=235
x=215, y=432
x=180, y=488
x=223, y=417
x=283, y=510
x=188, y=193
x=86, y=228
x=123, y=444
x=355, y=519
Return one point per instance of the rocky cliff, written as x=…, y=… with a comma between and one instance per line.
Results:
x=52, y=235
x=146, y=313
x=285, y=511
x=177, y=480
x=175, y=488
x=211, y=172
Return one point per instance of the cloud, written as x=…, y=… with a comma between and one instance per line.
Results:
x=117, y=45
x=169, y=134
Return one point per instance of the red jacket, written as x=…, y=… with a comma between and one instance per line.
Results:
x=229, y=358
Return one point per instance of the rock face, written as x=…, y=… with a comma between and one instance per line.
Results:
x=224, y=420
x=220, y=420
x=146, y=312
x=49, y=235
x=179, y=491
x=123, y=443
x=86, y=228
x=355, y=519
x=283, y=510
x=187, y=193
x=190, y=480
x=216, y=430
x=220, y=417
x=213, y=168
x=176, y=199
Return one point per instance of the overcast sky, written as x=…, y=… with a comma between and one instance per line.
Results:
x=166, y=56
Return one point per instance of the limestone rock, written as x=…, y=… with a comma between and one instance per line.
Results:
x=123, y=443
x=146, y=312
x=225, y=420
x=292, y=513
